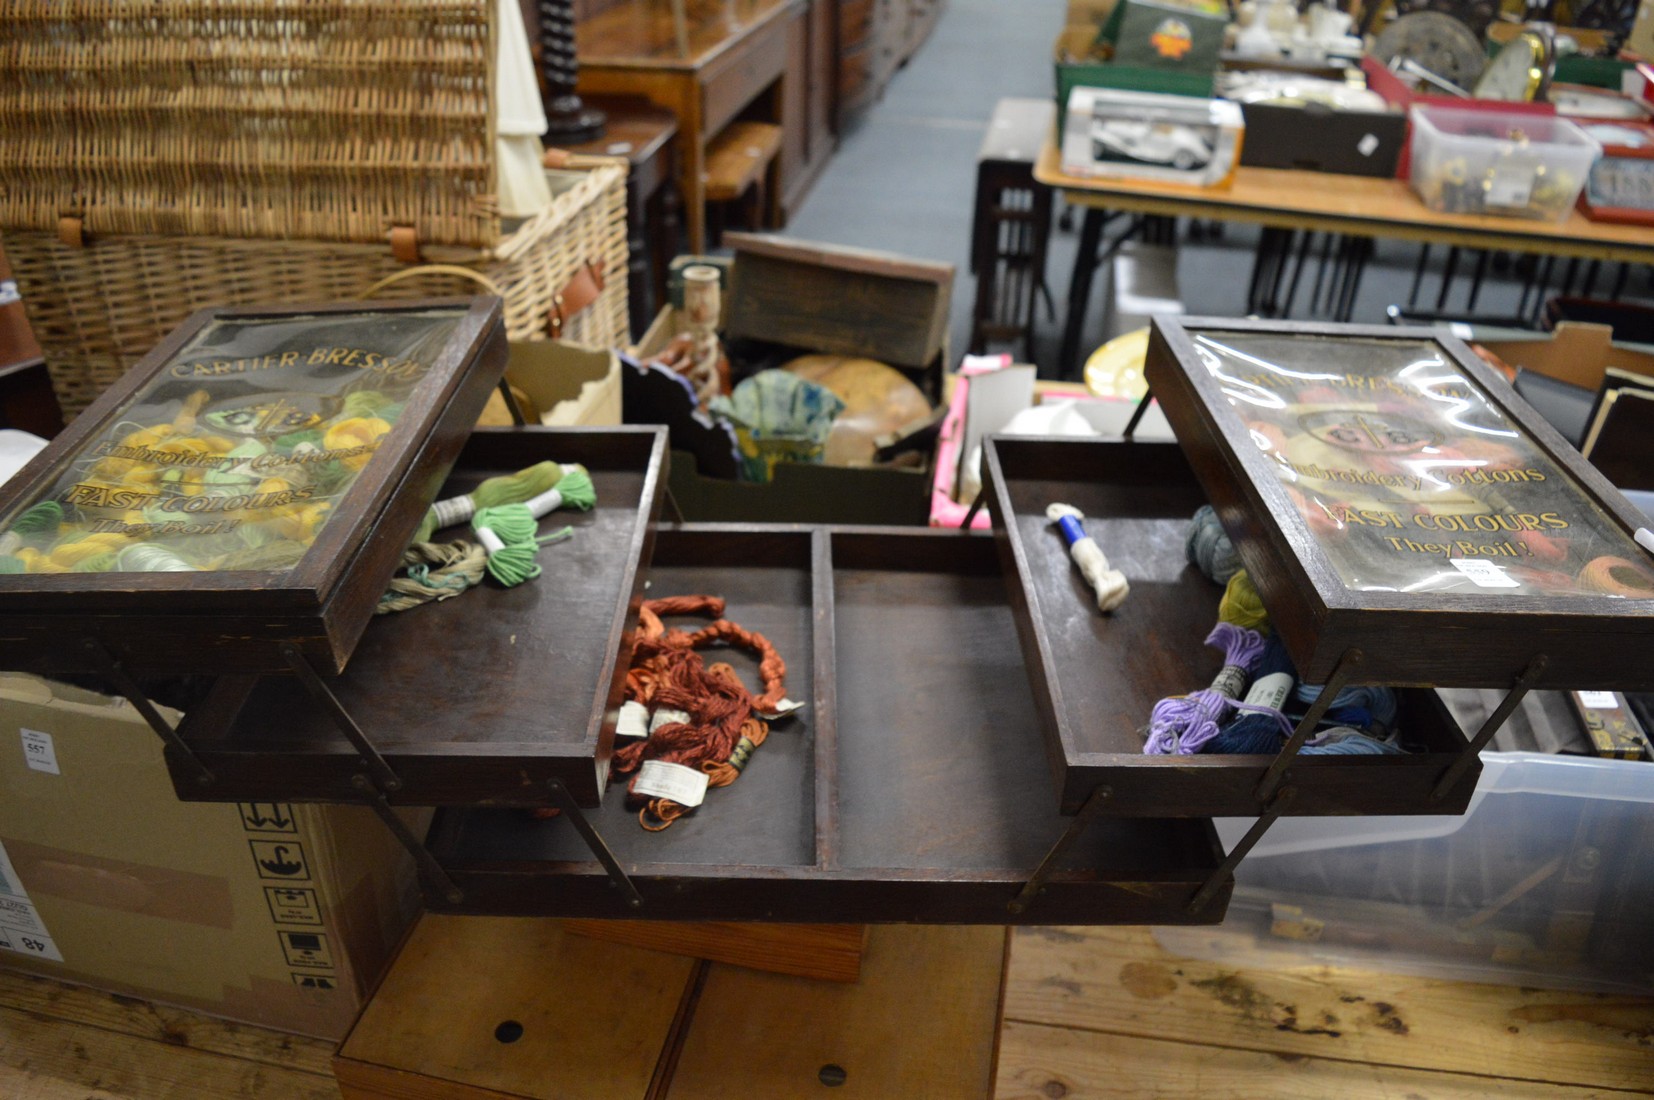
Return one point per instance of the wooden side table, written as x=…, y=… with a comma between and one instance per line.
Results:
x=722, y=62
x=646, y=135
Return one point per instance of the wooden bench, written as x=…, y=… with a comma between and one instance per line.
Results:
x=741, y=162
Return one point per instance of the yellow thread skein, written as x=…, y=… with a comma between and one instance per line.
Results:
x=1241, y=604
x=358, y=431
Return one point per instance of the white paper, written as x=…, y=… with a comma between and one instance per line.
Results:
x=1510, y=186
x=1484, y=574
x=666, y=716
x=26, y=943
x=633, y=720
x=39, y=752
x=1599, y=700
x=786, y=708
x=684, y=785
x=21, y=929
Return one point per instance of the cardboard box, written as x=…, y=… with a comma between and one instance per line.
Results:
x=1317, y=138
x=786, y=299
x=1576, y=352
x=564, y=385
x=273, y=914
x=1075, y=69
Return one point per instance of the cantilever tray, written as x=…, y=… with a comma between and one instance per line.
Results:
x=910, y=789
x=1403, y=512
x=247, y=487
x=483, y=698
x=1096, y=677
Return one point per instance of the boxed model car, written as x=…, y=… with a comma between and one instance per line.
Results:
x=1144, y=135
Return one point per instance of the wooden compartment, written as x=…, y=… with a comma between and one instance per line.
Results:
x=1096, y=677
x=910, y=789
x=483, y=698
x=192, y=450
x=1395, y=502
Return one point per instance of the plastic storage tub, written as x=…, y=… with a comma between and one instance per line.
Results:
x=1546, y=881
x=1466, y=161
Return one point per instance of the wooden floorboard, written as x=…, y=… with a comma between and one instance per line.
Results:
x=174, y=1027
x=1118, y=981
x=46, y=1058
x=1038, y=1062
x=1089, y=1013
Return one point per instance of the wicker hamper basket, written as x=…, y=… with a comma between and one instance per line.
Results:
x=161, y=157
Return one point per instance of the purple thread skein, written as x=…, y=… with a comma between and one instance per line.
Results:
x=1182, y=724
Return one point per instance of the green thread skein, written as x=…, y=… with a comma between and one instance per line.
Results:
x=44, y=518
x=524, y=485
x=366, y=403
x=10, y=564
x=102, y=563
x=508, y=531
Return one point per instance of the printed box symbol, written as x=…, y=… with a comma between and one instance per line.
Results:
x=293, y=905
x=307, y=949
x=280, y=859
x=267, y=817
x=314, y=981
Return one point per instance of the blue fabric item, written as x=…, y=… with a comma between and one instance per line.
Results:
x=1378, y=701
x=1352, y=743
x=1208, y=547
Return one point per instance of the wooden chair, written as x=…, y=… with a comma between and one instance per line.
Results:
x=1011, y=226
x=740, y=169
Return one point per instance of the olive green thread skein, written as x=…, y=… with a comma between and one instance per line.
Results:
x=524, y=485
x=1241, y=604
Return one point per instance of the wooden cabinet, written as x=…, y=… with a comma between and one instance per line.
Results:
x=808, y=115
x=876, y=37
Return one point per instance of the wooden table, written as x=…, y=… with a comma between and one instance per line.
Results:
x=1357, y=206
x=720, y=62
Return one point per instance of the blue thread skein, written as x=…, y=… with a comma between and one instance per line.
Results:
x=1377, y=701
x=1253, y=732
x=1353, y=742
x=1209, y=548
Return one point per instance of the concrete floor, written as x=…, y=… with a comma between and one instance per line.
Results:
x=904, y=179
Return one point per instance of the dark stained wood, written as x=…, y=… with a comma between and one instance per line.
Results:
x=842, y=301
x=1096, y=677
x=1440, y=639
x=27, y=401
x=483, y=698
x=733, y=61
x=646, y=135
x=910, y=790
x=223, y=622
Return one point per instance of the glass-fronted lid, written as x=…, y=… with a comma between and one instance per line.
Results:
x=236, y=452
x=1410, y=478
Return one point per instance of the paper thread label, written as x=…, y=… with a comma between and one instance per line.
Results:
x=39, y=752
x=786, y=708
x=1599, y=700
x=633, y=720
x=1509, y=186
x=1230, y=681
x=1270, y=691
x=659, y=779
x=1484, y=574
x=666, y=716
x=21, y=929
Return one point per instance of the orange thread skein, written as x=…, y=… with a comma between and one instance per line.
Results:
x=724, y=727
